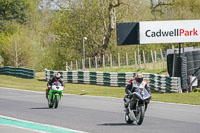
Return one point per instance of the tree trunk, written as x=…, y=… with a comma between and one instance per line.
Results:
x=111, y=26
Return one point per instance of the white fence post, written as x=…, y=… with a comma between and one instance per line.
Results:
x=118, y=60
x=89, y=64
x=71, y=65
x=110, y=60
x=126, y=59
x=103, y=61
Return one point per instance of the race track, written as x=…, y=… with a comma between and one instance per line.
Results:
x=95, y=114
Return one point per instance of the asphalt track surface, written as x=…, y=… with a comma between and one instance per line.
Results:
x=95, y=114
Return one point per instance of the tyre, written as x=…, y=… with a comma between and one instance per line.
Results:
x=196, y=57
x=178, y=67
x=190, y=62
x=170, y=63
x=145, y=108
x=139, y=115
x=50, y=104
x=127, y=119
x=184, y=74
x=56, y=101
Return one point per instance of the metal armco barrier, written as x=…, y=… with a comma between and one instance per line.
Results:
x=18, y=72
x=156, y=82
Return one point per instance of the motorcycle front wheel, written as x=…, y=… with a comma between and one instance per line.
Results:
x=56, y=101
x=139, y=114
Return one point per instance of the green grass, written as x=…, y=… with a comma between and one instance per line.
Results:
x=20, y=83
x=130, y=69
x=80, y=89
x=185, y=98
x=94, y=90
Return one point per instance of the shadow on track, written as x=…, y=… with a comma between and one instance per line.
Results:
x=41, y=108
x=83, y=94
x=115, y=124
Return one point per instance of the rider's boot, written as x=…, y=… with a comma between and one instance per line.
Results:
x=47, y=96
x=47, y=91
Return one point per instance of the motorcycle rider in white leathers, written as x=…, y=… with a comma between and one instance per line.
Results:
x=134, y=83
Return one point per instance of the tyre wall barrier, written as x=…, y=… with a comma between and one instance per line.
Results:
x=191, y=62
x=156, y=82
x=196, y=57
x=18, y=72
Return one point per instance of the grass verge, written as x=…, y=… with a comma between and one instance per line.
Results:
x=130, y=69
x=83, y=89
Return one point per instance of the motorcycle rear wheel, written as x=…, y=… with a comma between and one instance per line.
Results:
x=127, y=119
x=50, y=104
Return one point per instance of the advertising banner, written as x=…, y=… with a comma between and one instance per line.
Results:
x=176, y=31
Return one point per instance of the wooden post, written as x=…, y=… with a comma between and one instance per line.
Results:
x=66, y=66
x=82, y=64
x=155, y=60
x=89, y=64
x=135, y=59
x=161, y=53
x=126, y=58
x=96, y=64
x=76, y=65
x=152, y=59
x=71, y=65
x=155, y=55
x=139, y=62
x=152, y=56
x=144, y=59
x=110, y=60
x=103, y=61
x=118, y=60
x=172, y=46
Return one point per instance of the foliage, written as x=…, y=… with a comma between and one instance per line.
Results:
x=50, y=38
x=20, y=33
x=20, y=11
x=79, y=21
x=13, y=10
x=18, y=48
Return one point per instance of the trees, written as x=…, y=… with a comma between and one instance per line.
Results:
x=52, y=36
x=19, y=48
x=70, y=26
x=94, y=19
x=18, y=42
x=13, y=10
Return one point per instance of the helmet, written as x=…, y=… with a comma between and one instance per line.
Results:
x=139, y=78
x=57, y=75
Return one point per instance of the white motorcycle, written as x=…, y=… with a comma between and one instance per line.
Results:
x=137, y=105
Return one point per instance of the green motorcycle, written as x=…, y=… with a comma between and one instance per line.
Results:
x=55, y=94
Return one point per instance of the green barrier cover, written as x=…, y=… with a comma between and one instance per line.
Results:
x=156, y=82
x=18, y=72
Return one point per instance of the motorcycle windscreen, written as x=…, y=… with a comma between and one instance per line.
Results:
x=142, y=94
x=146, y=95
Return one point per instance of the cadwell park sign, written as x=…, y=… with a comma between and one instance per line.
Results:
x=177, y=31
x=150, y=32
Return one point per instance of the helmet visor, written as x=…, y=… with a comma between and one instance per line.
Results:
x=139, y=80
